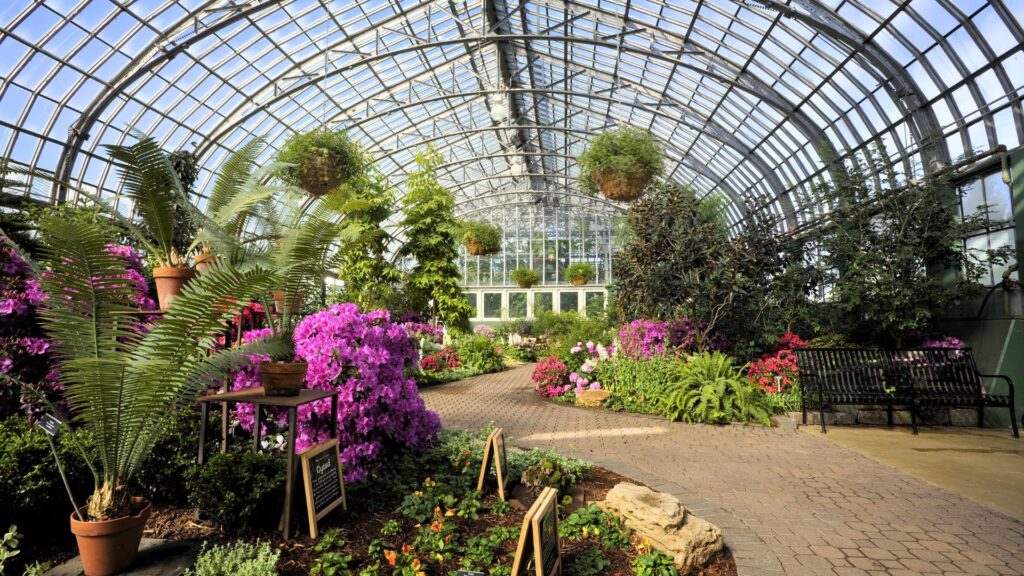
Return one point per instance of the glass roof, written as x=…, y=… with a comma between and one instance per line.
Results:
x=745, y=94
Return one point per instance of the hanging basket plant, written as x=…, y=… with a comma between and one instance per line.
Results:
x=524, y=277
x=579, y=273
x=321, y=160
x=620, y=163
x=481, y=238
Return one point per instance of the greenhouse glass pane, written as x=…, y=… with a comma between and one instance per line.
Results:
x=471, y=298
x=492, y=304
x=542, y=302
x=517, y=304
x=594, y=303
x=569, y=302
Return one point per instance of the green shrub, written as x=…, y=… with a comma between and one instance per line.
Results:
x=320, y=160
x=163, y=477
x=332, y=559
x=238, y=559
x=572, y=470
x=786, y=401
x=635, y=385
x=546, y=474
x=239, y=490
x=524, y=277
x=481, y=238
x=654, y=563
x=579, y=273
x=710, y=388
x=478, y=354
x=628, y=150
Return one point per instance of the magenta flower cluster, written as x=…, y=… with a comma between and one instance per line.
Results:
x=421, y=330
x=641, y=339
x=550, y=377
x=363, y=356
x=133, y=274
x=484, y=330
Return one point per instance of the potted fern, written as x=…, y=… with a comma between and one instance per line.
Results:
x=579, y=273
x=524, y=277
x=320, y=160
x=150, y=178
x=620, y=163
x=481, y=238
x=109, y=367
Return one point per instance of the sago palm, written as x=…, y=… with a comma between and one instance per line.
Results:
x=122, y=379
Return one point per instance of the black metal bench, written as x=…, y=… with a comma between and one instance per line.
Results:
x=913, y=378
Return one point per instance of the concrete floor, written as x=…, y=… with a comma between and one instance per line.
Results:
x=986, y=466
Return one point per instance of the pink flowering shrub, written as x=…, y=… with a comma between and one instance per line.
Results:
x=484, y=330
x=421, y=330
x=364, y=356
x=641, y=339
x=550, y=377
x=590, y=356
x=440, y=361
x=780, y=361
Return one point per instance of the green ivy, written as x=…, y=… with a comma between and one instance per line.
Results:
x=628, y=150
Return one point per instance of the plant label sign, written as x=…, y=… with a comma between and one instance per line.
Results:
x=539, y=550
x=50, y=424
x=494, y=448
x=469, y=573
x=322, y=477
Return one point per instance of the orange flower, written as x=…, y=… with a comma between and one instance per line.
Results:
x=406, y=548
x=436, y=525
x=391, y=557
x=415, y=563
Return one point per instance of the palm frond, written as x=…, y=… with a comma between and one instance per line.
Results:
x=233, y=175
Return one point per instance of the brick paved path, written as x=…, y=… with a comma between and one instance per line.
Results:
x=788, y=503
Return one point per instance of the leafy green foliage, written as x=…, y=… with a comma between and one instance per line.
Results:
x=9, y=546
x=593, y=522
x=368, y=274
x=894, y=251
x=238, y=559
x=654, y=563
x=478, y=354
x=431, y=229
x=629, y=151
x=481, y=237
x=579, y=272
x=573, y=471
x=710, y=388
x=524, y=276
x=589, y=562
x=546, y=474
x=172, y=462
x=238, y=490
x=332, y=560
x=106, y=359
x=320, y=160
x=786, y=401
x=485, y=550
x=635, y=385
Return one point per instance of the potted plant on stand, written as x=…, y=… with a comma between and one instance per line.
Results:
x=124, y=379
x=166, y=217
x=524, y=277
x=620, y=163
x=579, y=273
x=481, y=238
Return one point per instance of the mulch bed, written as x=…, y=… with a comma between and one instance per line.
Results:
x=361, y=524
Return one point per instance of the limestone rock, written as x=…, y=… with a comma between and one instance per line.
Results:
x=592, y=398
x=665, y=523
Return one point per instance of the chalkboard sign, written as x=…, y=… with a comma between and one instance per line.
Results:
x=469, y=573
x=539, y=548
x=325, y=488
x=494, y=448
x=50, y=424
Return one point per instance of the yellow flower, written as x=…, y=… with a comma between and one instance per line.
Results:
x=418, y=493
x=415, y=563
x=449, y=513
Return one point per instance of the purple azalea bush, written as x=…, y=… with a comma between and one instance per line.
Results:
x=364, y=356
x=641, y=339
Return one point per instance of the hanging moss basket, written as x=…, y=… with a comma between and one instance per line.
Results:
x=321, y=160
x=481, y=238
x=621, y=187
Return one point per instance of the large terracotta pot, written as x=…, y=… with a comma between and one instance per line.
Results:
x=280, y=296
x=169, y=282
x=525, y=284
x=110, y=546
x=580, y=281
x=616, y=186
x=204, y=260
x=282, y=378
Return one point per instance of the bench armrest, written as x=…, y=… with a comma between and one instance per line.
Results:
x=1009, y=381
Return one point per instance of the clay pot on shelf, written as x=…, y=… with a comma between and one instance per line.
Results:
x=282, y=378
x=280, y=297
x=204, y=260
x=109, y=546
x=169, y=282
x=579, y=281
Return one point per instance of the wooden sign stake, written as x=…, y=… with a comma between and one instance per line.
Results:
x=321, y=468
x=494, y=447
x=540, y=528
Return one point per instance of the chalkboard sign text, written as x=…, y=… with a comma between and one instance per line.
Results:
x=322, y=477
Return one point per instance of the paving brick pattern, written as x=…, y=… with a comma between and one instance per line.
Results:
x=787, y=502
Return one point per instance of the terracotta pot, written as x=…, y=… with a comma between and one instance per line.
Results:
x=616, y=186
x=280, y=296
x=578, y=281
x=204, y=260
x=282, y=378
x=110, y=546
x=525, y=284
x=169, y=282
